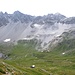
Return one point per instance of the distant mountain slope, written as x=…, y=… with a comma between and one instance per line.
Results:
x=70, y=20
x=49, y=19
x=67, y=43
x=19, y=26
x=3, y=19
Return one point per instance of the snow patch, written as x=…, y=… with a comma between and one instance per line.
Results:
x=27, y=38
x=57, y=35
x=36, y=25
x=7, y=40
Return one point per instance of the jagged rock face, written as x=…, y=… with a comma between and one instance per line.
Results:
x=19, y=26
x=49, y=19
x=15, y=17
x=3, y=19
x=70, y=20
x=18, y=16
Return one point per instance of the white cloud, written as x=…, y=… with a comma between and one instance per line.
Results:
x=39, y=7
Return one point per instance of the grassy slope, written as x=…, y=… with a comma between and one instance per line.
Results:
x=22, y=56
x=6, y=69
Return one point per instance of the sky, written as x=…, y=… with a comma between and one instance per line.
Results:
x=39, y=7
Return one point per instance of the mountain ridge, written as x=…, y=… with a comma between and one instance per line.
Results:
x=19, y=26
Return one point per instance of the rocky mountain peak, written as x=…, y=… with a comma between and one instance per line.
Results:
x=24, y=18
x=49, y=19
x=70, y=20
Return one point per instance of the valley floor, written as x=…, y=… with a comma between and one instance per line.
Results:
x=22, y=57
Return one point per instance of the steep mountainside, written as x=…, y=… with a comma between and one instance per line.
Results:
x=45, y=29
